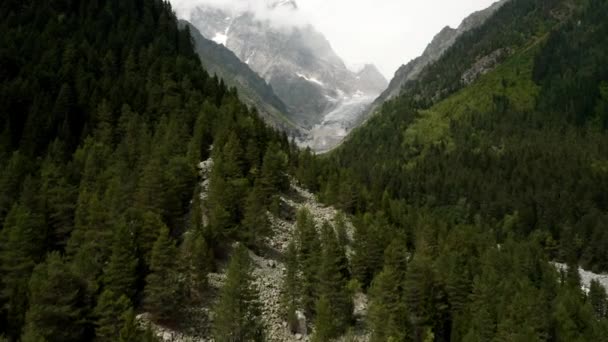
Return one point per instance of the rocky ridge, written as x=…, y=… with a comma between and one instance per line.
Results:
x=297, y=61
x=268, y=273
x=436, y=48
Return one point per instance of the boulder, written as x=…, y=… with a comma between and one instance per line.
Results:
x=301, y=327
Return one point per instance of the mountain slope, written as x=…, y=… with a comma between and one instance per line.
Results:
x=490, y=164
x=440, y=43
x=297, y=61
x=104, y=114
x=254, y=91
x=507, y=129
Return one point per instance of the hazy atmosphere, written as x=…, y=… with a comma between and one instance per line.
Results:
x=364, y=31
x=303, y=170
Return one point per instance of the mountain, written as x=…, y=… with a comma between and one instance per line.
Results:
x=296, y=61
x=253, y=89
x=105, y=113
x=488, y=165
x=436, y=48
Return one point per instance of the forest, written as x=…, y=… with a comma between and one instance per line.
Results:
x=465, y=195
x=486, y=184
x=105, y=114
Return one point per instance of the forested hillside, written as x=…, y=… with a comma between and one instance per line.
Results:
x=105, y=112
x=488, y=166
x=138, y=193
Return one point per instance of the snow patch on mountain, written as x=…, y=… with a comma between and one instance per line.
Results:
x=310, y=79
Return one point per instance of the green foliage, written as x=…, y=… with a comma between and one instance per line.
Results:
x=56, y=308
x=333, y=283
x=120, y=274
x=325, y=328
x=195, y=262
x=103, y=122
x=290, y=294
x=256, y=226
x=129, y=331
x=598, y=299
x=309, y=257
x=109, y=314
x=162, y=284
x=237, y=314
x=21, y=246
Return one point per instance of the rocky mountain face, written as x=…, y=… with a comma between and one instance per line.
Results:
x=436, y=48
x=296, y=61
x=253, y=89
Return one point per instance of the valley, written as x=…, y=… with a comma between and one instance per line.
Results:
x=214, y=170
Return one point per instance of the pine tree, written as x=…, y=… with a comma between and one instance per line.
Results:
x=237, y=314
x=598, y=299
x=387, y=313
x=196, y=262
x=309, y=254
x=325, y=328
x=162, y=286
x=21, y=246
x=129, y=332
x=109, y=314
x=273, y=178
x=332, y=282
x=120, y=274
x=291, y=286
x=256, y=225
x=56, y=311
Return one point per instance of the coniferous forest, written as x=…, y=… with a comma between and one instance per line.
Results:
x=460, y=194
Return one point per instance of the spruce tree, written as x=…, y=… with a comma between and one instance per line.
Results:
x=598, y=299
x=129, y=331
x=309, y=254
x=325, y=328
x=273, y=178
x=21, y=246
x=120, y=274
x=195, y=263
x=57, y=309
x=290, y=295
x=256, y=225
x=387, y=314
x=162, y=286
x=237, y=314
x=333, y=283
x=109, y=314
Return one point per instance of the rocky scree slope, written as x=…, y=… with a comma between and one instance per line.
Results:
x=268, y=272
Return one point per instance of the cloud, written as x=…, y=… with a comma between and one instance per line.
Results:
x=387, y=33
x=279, y=16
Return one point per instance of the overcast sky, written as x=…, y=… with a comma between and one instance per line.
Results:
x=387, y=33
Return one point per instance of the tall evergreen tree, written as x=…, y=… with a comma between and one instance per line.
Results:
x=309, y=255
x=291, y=291
x=333, y=283
x=256, y=225
x=237, y=314
x=109, y=314
x=162, y=284
x=325, y=327
x=273, y=178
x=195, y=261
x=598, y=299
x=57, y=310
x=21, y=246
x=120, y=274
